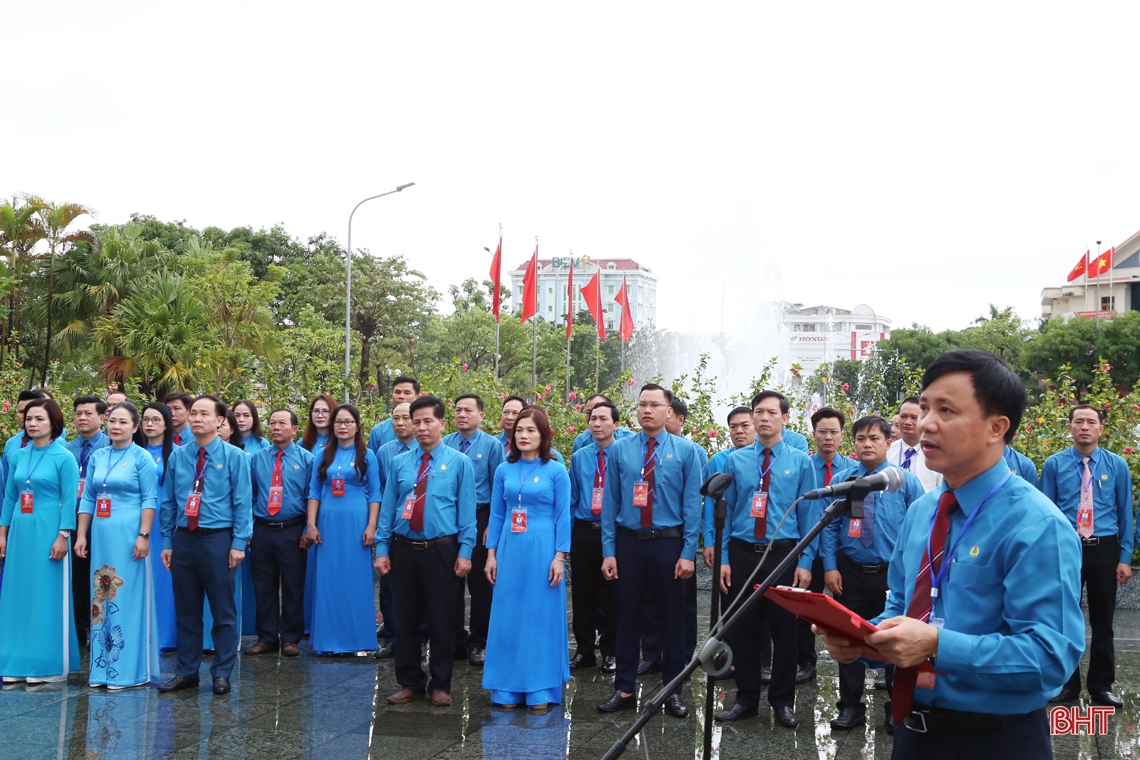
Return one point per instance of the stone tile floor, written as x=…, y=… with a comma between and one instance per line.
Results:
x=334, y=709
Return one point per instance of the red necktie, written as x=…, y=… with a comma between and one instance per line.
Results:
x=24, y=442
x=199, y=475
x=827, y=475
x=919, y=608
x=275, y=507
x=600, y=472
x=417, y=522
x=760, y=530
x=648, y=477
x=178, y=439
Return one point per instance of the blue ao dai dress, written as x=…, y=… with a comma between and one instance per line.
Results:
x=124, y=625
x=528, y=648
x=163, y=581
x=344, y=613
x=37, y=623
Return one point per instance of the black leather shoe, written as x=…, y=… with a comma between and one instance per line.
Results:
x=178, y=683
x=786, y=716
x=805, y=674
x=645, y=668
x=889, y=723
x=1066, y=695
x=737, y=712
x=617, y=702
x=579, y=661
x=476, y=657
x=765, y=676
x=848, y=718
x=609, y=664
x=675, y=708
x=221, y=686
x=1107, y=698
x=386, y=651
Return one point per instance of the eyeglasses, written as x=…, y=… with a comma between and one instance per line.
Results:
x=344, y=423
x=650, y=405
x=320, y=412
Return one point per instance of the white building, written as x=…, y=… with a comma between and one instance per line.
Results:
x=553, y=274
x=1115, y=290
x=821, y=334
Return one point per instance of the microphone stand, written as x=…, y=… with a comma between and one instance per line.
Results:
x=714, y=654
x=720, y=514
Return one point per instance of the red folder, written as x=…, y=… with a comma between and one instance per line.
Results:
x=825, y=612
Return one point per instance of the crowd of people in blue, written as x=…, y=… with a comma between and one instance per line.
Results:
x=188, y=524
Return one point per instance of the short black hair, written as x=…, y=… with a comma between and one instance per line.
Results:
x=519, y=399
x=54, y=414
x=998, y=390
x=181, y=396
x=655, y=387
x=602, y=396
x=785, y=407
x=1073, y=410
x=680, y=408
x=615, y=415
x=220, y=408
x=827, y=413
x=428, y=402
x=739, y=410
x=100, y=404
x=292, y=415
x=478, y=401
x=30, y=395
x=911, y=400
x=872, y=421
x=407, y=379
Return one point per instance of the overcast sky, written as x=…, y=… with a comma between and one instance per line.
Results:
x=927, y=160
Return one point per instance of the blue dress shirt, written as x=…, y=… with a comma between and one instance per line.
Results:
x=1013, y=630
x=449, y=504
x=890, y=510
x=708, y=519
x=1111, y=487
x=251, y=445
x=1021, y=465
x=127, y=474
x=75, y=446
x=296, y=472
x=226, y=491
x=382, y=433
x=585, y=438
x=583, y=469
x=486, y=454
x=386, y=454
x=792, y=475
x=795, y=440
x=676, y=493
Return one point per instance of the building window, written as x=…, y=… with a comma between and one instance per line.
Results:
x=550, y=290
x=864, y=327
x=1108, y=303
x=610, y=289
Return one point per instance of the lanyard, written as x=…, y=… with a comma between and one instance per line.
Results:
x=600, y=472
x=199, y=472
x=522, y=478
x=31, y=469
x=90, y=451
x=936, y=579
x=1080, y=472
x=111, y=462
x=422, y=475
x=759, y=467
x=472, y=440
x=340, y=460
x=646, y=459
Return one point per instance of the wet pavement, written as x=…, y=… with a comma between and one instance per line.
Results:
x=334, y=709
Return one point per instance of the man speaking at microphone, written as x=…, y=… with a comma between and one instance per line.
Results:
x=997, y=612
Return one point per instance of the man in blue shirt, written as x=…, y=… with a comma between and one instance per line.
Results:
x=856, y=554
x=207, y=522
x=90, y=412
x=592, y=596
x=425, y=539
x=1093, y=489
x=586, y=437
x=405, y=440
x=512, y=406
x=651, y=520
x=179, y=403
x=741, y=433
x=486, y=454
x=404, y=390
x=278, y=554
x=1004, y=629
x=768, y=477
x=1021, y=465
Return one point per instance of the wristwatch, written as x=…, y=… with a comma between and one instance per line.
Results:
x=145, y=535
x=65, y=533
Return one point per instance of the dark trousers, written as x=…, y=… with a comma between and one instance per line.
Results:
x=480, y=588
x=745, y=637
x=200, y=569
x=805, y=639
x=424, y=587
x=865, y=594
x=388, y=609
x=591, y=595
x=277, y=565
x=651, y=625
x=645, y=579
x=1025, y=738
x=81, y=588
x=1098, y=576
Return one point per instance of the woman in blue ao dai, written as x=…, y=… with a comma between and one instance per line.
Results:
x=157, y=435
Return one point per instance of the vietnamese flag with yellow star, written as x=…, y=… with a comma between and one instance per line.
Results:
x=1079, y=269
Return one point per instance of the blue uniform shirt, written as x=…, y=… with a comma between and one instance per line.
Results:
x=1111, y=487
x=54, y=478
x=583, y=469
x=586, y=438
x=486, y=454
x=792, y=475
x=1013, y=631
x=296, y=470
x=708, y=519
x=251, y=445
x=126, y=474
x=890, y=510
x=226, y=491
x=386, y=454
x=795, y=440
x=382, y=433
x=1021, y=465
x=449, y=504
x=75, y=446
x=676, y=494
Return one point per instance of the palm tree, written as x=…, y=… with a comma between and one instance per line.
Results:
x=19, y=233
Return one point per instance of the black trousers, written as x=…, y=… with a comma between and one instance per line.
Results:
x=865, y=594
x=277, y=564
x=651, y=625
x=592, y=597
x=805, y=641
x=745, y=637
x=424, y=587
x=1098, y=576
x=81, y=588
x=200, y=569
x=480, y=588
x=1025, y=738
x=645, y=580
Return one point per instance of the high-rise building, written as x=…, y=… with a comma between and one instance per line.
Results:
x=553, y=274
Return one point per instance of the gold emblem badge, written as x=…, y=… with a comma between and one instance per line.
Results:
x=535, y=478
x=974, y=552
x=443, y=468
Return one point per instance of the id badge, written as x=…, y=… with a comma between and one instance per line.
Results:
x=1084, y=518
x=760, y=504
x=596, y=501
x=338, y=487
x=855, y=529
x=518, y=520
x=27, y=502
x=193, y=503
x=276, y=496
x=409, y=507
x=925, y=680
x=103, y=505
x=81, y=484
x=641, y=494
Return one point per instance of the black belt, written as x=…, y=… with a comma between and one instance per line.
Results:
x=781, y=545
x=423, y=545
x=483, y=507
x=646, y=535
x=594, y=524
x=937, y=720
x=280, y=525
x=868, y=569
x=204, y=531
x=1097, y=540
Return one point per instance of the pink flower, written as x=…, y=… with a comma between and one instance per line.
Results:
x=1136, y=407
x=423, y=393
x=573, y=395
x=1128, y=450
x=1107, y=404
x=1106, y=367
x=577, y=407
x=540, y=396
x=712, y=434
x=629, y=382
x=6, y=404
x=846, y=386
x=548, y=389
x=571, y=428
x=503, y=396
x=464, y=367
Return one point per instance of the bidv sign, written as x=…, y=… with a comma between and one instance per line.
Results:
x=564, y=262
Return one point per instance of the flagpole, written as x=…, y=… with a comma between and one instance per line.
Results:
x=1112, y=263
x=498, y=317
x=534, y=351
x=1086, y=280
x=1097, y=304
x=598, y=339
x=569, y=318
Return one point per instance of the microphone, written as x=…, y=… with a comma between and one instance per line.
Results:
x=716, y=485
x=890, y=480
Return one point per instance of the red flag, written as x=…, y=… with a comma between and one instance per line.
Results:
x=496, y=267
x=1079, y=269
x=626, y=326
x=593, y=295
x=530, y=288
x=570, y=300
x=1102, y=263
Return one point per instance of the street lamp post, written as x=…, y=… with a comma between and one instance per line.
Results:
x=348, y=289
